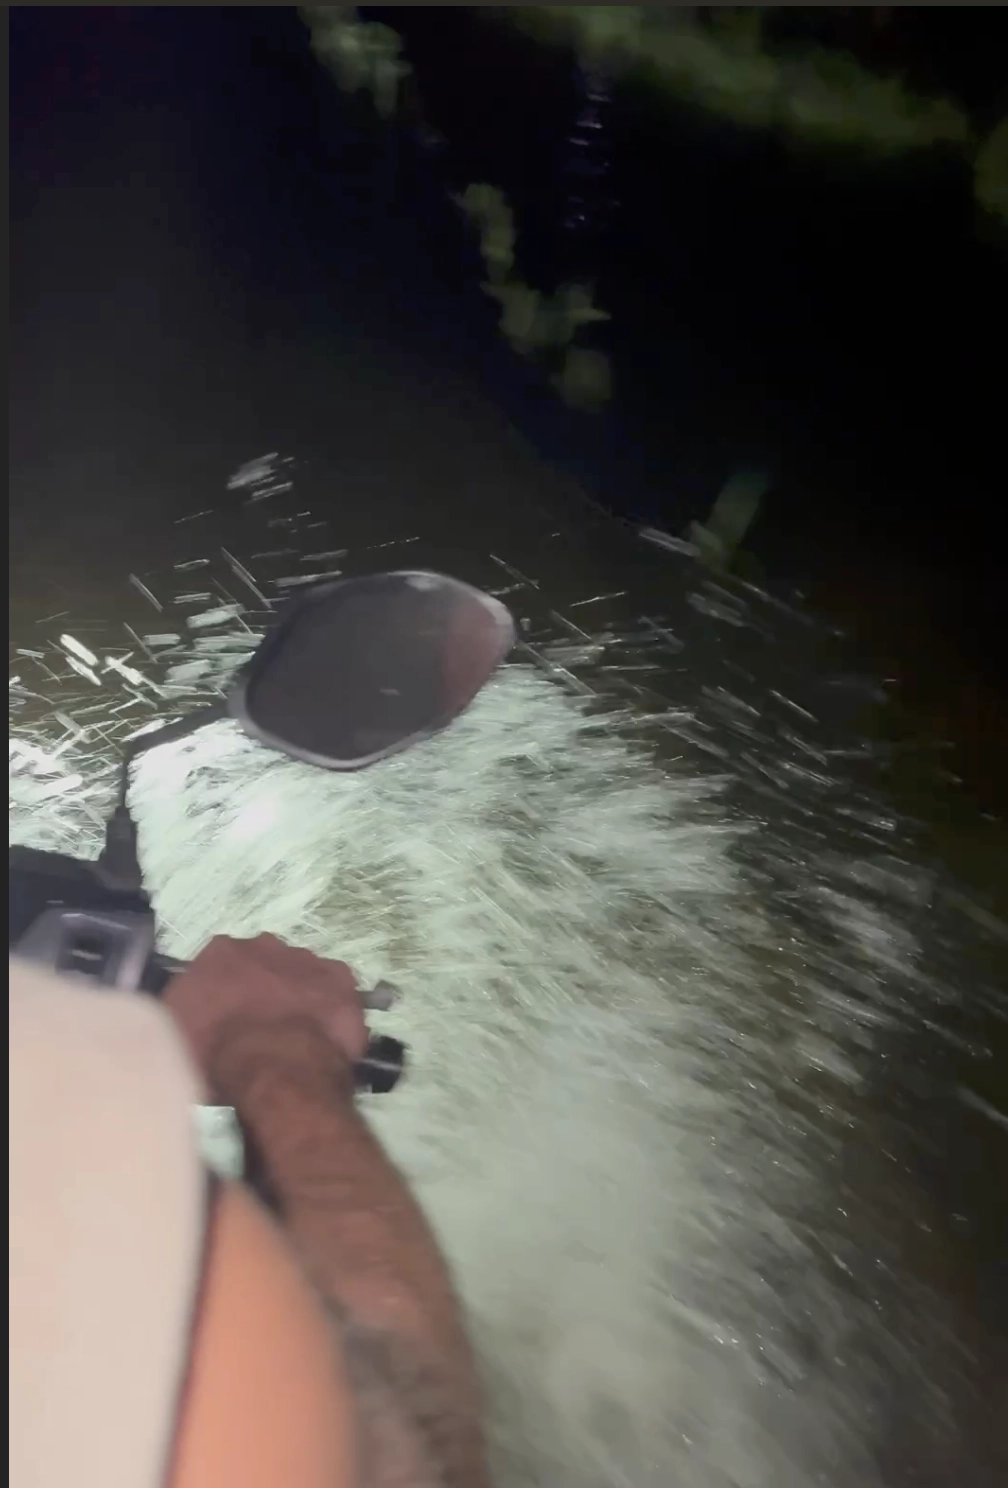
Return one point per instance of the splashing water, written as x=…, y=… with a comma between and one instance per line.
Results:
x=656, y=944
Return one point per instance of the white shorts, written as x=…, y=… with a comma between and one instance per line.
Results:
x=108, y=1217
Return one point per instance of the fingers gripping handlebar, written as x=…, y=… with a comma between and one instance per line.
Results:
x=376, y=1073
x=61, y=914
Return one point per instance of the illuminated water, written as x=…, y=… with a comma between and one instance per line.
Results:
x=685, y=1001
x=701, y=1101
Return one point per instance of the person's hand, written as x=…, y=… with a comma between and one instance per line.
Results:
x=248, y=984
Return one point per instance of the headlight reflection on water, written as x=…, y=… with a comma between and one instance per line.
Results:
x=656, y=960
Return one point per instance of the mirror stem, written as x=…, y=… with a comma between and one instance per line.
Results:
x=119, y=859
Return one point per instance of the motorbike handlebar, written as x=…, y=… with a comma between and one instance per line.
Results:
x=377, y=1073
x=54, y=900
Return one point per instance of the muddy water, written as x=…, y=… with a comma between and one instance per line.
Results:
x=696, y=988
x=704, y=1108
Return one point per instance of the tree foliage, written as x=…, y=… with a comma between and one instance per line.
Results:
x=725, y=64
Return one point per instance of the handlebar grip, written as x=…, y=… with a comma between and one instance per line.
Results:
x=377, y=1073
x=382, y=1066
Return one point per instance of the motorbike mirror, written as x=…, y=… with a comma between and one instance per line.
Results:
x=359, y=669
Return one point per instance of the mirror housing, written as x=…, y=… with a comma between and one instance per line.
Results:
x=408, y=651
x=360, y=669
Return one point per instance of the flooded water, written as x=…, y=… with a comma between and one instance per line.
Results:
x=703, y=1103
x=688, y=1007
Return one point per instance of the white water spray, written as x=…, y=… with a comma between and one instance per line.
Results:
x=643, y=1004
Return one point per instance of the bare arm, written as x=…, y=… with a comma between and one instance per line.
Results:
x=366, y=1246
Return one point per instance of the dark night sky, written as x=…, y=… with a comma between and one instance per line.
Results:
x=190, y=207
x=198, y=219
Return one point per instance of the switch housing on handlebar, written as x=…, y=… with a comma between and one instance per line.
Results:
x=64, y=915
